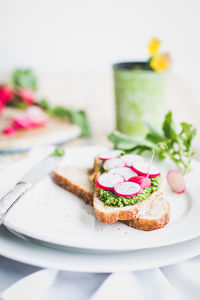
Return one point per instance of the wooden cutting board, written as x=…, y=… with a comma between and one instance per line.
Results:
x=55, y=132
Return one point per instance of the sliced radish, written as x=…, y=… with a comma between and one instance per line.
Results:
x=10, y=130
x=129, y=159
x=143, y=168
x=176, y=181
x=107, y=181
x=37, y=115
x=127, y=173
x=143, y=181
x=127, y=189
x=113, y=163
x=33, y=117
x=24, y=122
x=109, y=154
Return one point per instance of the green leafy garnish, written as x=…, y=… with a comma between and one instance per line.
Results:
x=25, y=79
x=17, y=103
x=58, y=152
x=167, y=143
x=43, y=104
x=77, y=117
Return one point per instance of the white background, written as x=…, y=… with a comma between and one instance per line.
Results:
x=89, y=35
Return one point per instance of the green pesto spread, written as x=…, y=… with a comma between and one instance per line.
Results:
x=111, y=199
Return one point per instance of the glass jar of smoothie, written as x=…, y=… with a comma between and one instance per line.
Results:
x=139, y=97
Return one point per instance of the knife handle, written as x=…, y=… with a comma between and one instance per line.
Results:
x=11, y=198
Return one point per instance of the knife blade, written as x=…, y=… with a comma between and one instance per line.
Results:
x=26, y=183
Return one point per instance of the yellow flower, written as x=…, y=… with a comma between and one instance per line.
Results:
x=154, y=47
x=161, y=62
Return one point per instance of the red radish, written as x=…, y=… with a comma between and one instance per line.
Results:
x=10, y=131
x=127, y=189
x=107, y=181
x=144, y=169
x=129, y=159
x=27, y=95
x=126, y=172
x=34, y=116
x=35, y=111
x=109, y=154
x=37, y=115
x=113, y=163
x=5, y=95
x=24, y=122
x=176, y=181
x=143, y=181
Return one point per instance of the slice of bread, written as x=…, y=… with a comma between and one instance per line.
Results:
x=156, y=217
x=75, y=180
x=150, y=214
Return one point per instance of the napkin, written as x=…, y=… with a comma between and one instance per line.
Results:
x=178, y=282
x=55, y=285
x=32, y=287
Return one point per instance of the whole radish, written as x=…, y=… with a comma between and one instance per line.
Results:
x=176, y=181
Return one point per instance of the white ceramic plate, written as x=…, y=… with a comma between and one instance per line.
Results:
x=50, y=214
x=31, y=253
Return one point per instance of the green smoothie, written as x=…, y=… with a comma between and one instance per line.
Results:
x=139, y=97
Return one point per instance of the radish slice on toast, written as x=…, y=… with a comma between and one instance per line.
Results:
x=176, y=181
x=143, y=168
x=129, y=159
x=110, y=154
x=107, y=181
x=126, y=172
x=113, y=163
x=127, y=189
x=143, y=181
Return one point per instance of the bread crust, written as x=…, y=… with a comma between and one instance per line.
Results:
x=148, y=225
x=73, y=188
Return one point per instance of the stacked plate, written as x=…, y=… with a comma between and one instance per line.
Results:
x=60, y=231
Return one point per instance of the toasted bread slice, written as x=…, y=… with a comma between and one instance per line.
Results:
x=75, y=180
x=107, y=214
x=154, y=217
x=150, y=214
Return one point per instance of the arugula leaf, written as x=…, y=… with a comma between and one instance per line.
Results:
x=169, y=143
x=121, y=141
x=77, y=117
x=127, y=143
x=43, y=104
x=187, y=134
x=59, y=112
x=169, y=127
x=153, y=135
x=58, y=152
x=25, y=79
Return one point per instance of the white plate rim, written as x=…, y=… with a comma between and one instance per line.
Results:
x=44, y=240
x=36, y=255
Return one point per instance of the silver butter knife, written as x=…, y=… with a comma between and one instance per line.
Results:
x=26, y=183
